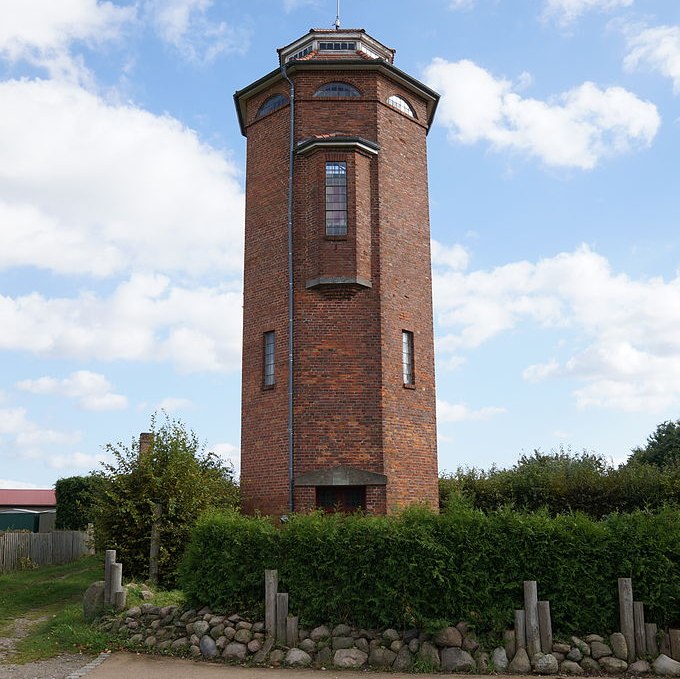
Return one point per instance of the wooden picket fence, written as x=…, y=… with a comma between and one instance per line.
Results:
x=43, y=549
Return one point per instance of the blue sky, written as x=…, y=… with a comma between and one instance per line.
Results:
x=555, y=210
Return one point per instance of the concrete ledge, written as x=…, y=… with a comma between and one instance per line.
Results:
x=341, y=476
x=338, y=280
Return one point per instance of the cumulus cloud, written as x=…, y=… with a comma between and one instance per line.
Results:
x=460, y=412
x=42, y=32
x=145, y=318
x=566, y=12
x=186, y=26
x=91, y=390
x=102, y=189
x=577, y=128
x=453, y=256
x=657, y=49
x=628, y=330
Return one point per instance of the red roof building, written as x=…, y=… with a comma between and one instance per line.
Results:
x=27, y=498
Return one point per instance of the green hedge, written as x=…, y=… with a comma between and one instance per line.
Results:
x=419, y=567
x=562, y=482
x=75, y=500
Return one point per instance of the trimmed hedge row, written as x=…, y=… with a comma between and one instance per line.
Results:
x=420, y=567
x=562, y=482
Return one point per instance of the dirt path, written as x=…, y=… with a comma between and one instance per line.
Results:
x=54, y=668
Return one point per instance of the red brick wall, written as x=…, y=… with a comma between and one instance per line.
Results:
x=350, y=406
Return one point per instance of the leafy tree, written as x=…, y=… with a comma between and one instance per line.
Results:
x=75, y=499
x=175, y=479
x=662, y=448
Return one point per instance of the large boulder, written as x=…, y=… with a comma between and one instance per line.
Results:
x=349, y=658
x=520, y=663
x=571, y=667
x=381, y=657
x=93, y=601
x=667, y=666
x=296, y=657
x=457, y=660
x=619, y=646
x=499, y=658
x=428, y=656
x=544, y=663
x=447, y=637
x=612, y=665
x=208, y=646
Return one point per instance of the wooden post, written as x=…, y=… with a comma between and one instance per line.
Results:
x=650, y=639
x=271, y=587
x=545, y=626
x=520, y=630
x=109, y=560
x=626, y=619
x=120, y=599
x=281, y=617
x=116, y=581
x=639, y=627
x=155, y=543
x=531, y=617
x=674, y=638
x=291, y=631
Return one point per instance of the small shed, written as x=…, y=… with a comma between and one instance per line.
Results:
x=35, y=499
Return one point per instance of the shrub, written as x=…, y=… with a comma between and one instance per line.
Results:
x=418, y=566
x=75, y=499
x=175, y=475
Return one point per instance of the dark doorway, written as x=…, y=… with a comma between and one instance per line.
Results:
x=341, y=498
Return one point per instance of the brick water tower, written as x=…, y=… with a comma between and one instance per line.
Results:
x=338, y=406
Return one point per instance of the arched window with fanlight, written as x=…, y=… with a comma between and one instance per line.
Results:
x=271, y=104
x=337, y=90
x=401, y=105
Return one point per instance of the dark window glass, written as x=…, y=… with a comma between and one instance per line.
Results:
x=341, y=498
x=337, y=90
x=407, y=357
x=268, y=364
x=271, y=104
x=336, y=199
x=337, y=46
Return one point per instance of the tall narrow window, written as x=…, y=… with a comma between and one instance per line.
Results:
x=336, y=199
x=268, y=366
x=407, y=358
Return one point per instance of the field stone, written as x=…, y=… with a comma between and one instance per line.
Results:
x=612, y=665
x=243, y=636
x=244, y=624
x=448, y=637
x=455, y=659
x=390, y=635
x=590, y=665
x=133, y=612
x=296, y=657
x=229, y=632
x=482, y=662
x=208, y=646
x=150, y=642
x=221, y=643
x=544, y=663
x=640, y=667
x=362, y=644
x=598, y=649
x=396, y=645
x=560, y=657
x=195, y=641
x=93, y=601
x=520, y=663
x=429, y=655
x=349, y=658
x=259, y=627
x=381, y=657
x=235, y=651
x=470, y=644
x=307, y=645
x=179, y=644
x=136, y=638
x=200, y=628
x=619, y=645
x=254, y=646
x=276, y=657
x=558, y=647
x=404, y=660
x=570, y=667
x=667, y=666
x=341, y=631
x=499, y=658
x=409, y=635
x=581, y=645
x=414, y=645
x=594, y=637
x=575, y=654
x=261, y=655
x=319, y=633
x=342, y=642
x=217, y=631
x=324, y=656
x=194, y=651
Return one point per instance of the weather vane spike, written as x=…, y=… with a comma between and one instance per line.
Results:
x=337, y=15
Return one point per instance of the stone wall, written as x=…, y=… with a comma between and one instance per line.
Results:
x=214, y=636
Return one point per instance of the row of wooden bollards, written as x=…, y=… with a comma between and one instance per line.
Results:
x=280, y=626
x=533, y=626
x=114, y=592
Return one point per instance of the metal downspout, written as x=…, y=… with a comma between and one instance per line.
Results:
x=290, y=286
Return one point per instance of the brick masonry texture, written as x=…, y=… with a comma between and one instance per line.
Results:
x=350, y=405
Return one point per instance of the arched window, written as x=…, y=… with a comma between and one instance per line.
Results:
x=401, y=105
x=271, y=104
x=337, y=90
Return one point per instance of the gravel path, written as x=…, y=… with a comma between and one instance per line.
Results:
x=54, y=668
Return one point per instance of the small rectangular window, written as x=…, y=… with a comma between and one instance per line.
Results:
x=336, y=199
x=407, y=362
x=268, y=365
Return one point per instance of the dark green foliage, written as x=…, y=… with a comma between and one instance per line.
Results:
x=562, y=482
x=175, y=473
x=75, y=499
x=418, y=566
x=662, y=448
